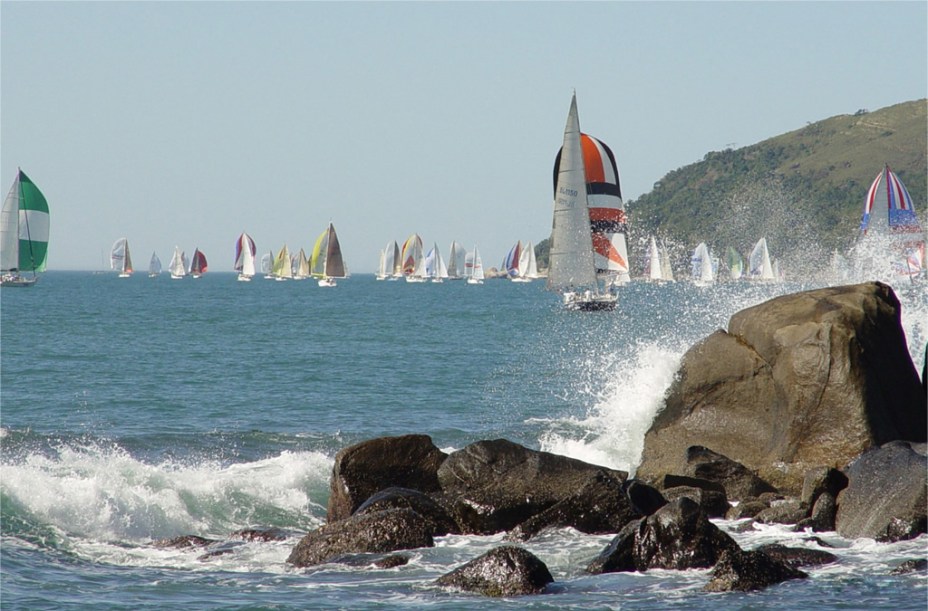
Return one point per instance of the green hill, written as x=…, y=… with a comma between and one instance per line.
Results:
x=803, y=190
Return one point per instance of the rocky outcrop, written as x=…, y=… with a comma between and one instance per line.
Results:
x=503, y=571
x=492, y=486
x=743, y=571
x=382, y=531
x=712, y=502
x=678, y=536
x=797, y=556
x=804, y=380
x=885, y=498
x=361, y=470
x=738, y=481
x=439, y=520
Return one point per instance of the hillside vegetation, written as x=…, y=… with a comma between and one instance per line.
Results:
x=803, y=190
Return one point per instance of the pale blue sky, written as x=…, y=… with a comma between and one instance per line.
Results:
x=187, y=123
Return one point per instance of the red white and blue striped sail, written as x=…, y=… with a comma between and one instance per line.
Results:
x=607, y=211
x=888, y=206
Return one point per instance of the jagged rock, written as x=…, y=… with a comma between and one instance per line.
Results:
x=797, y=556
x=809, y=379
x=823, y=514
x=672, y=481
x=819, y=480
x=786, y=511
x=886, y=495
x=361, y=470
x=742, y=571
x=599, y=507
x=644, y=498
x=260, y=534
x=492, y=486
x=380, y=561
x=383, y=531
x=392, y=561
x=503, y=571
x=398, y=498
x=185, y=541
x=678, y=536
x=746, y=509
x=712, y=502
x=738, y=481
x=910, y=566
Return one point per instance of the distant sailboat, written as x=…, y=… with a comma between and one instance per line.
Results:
x=703, y=273
x=455, y=262
x=120, y=259
x=473, y=267
x=413, y=259
x=735, y=264
x=397, y=267
x=572, y=271
x=528, y=266
x=759, y=267
x=24, y=223
x=198, y=264
x=281, y=269
x=653, y=270
x=267, y=264
x=327, y=263
x=512, y=261
x=890, y=224
x=301, y=268
x=178, y=264
x=382, y=269
x=245, y=252
x=435, y=268
x=666, y=267
x=154, y=266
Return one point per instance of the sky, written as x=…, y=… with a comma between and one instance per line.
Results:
x=186, y=123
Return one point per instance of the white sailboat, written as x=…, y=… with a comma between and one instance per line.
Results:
x=245, y=252
x=435, y=268
x=327, y=263
x=666, y=267
x=735, y=264
x=473, y=267
x=572, y=271
x=267, y=264
x=396, y=270
x=382, y=273
x=24, y=223
x=653, y=270
x=455, y=262
x=703, y=273
x=413, y=259
x=528, y=266
x=759, y=266
x=120, y=259
x=301, y=268
x=154, y=266
x=281, y=269
x=178, y=264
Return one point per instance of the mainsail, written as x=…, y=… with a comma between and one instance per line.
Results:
x=326, y=260
x=120, y=259
x=24, y=227
x=759, y=267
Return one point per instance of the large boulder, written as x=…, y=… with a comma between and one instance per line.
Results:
x=804, y=380
x=885, y=498
x=741, y=571
x=492, y=486
x=503, y=571
x=678, y=536
x=382, y=531
x=408, y=461
x=439, y=520
x=738, y=481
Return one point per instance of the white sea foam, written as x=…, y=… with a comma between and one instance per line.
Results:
x=105, y=494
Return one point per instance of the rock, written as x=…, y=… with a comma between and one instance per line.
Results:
x=599, y=507
x=809, y=379
x=737, y=480
x=712, y=502
x=910, y=566
x=392, y=561
x=383, y=531
x=437, y=516
x=678, y=536
x=672, y=481
x=361, y=470
x=365, y=560
x=787, y=511
x=797, y=556
x=742, y=571
x=260, y=534
x=822, y=479
x=492, y=486
x=823, y=515
x=747, y=509
x=185, y=541
x=885, y=498
x=503, y=571
x=644, y=498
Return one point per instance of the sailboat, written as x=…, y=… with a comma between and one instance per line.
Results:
x=120, y=259
x=435, y=268
x=281, y=269
x=666, y=267
x=178, y=264
x=890, y=224
x=382, y=273
x=528, y=266
x=198, y=264
x=245, y=252
x=326, y=263
x=267, y=263
x=473, y=267
x=735, y=264
x=652, y=270
x=759, y=267
x=154, y=266
x=301, y=268
x=607, y=211
x=703, y=273
x=413, y=259
x=511, y=262
x=572, y=271
x=24, y=223
x=397, y=268
x=455, y=262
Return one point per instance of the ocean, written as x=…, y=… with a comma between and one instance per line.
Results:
x=141, y=409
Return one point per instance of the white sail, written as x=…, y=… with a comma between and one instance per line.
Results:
x=455, y=261
x=120, y=259
x=702, y=265
x=382, y=266
x=529, y=265
x=759, y=262
x=654, y=270
x=435, y=266
x=281, y=268
x=245, y=253
x=473, y=267
x=9, y=229
x=666, y=268
x=267, y=263
x=178, y=264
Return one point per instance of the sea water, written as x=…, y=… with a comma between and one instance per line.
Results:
x=142, y=409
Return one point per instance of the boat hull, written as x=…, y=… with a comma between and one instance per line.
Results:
x=583, y=302
x=16, y=281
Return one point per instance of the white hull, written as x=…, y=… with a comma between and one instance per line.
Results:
x=125, y=275
x=474, y=281
x=244, y=278
x=587, y=301
x=416, y=278
x=326, y=282
x=521, y=279
x=17, y=281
